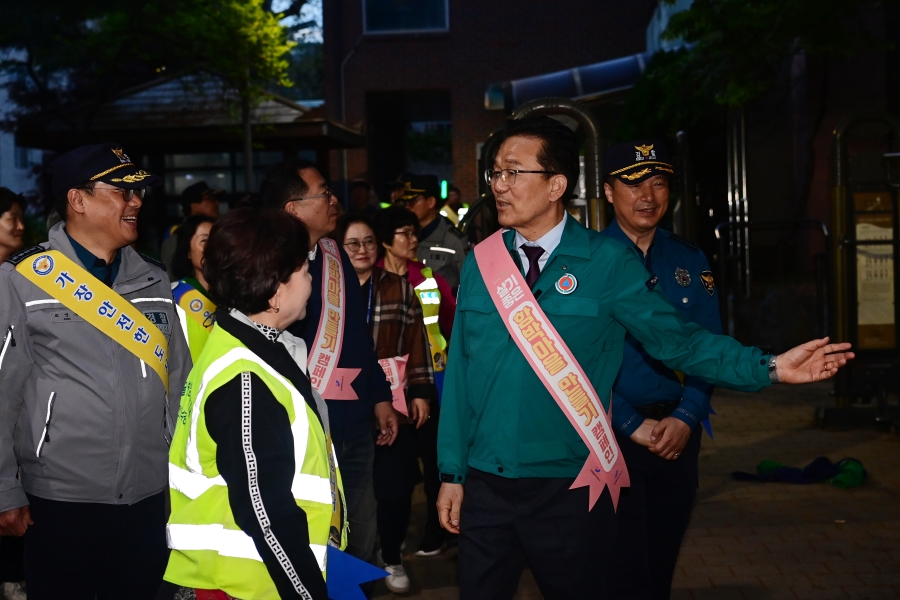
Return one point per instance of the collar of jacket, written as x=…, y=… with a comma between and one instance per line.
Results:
x=272, y=353
x=134, y=273
x=575, y=242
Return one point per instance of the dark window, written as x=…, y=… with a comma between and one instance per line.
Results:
x=405, y=16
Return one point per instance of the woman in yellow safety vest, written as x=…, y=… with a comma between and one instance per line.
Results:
x=192, y=301
x=256, y=493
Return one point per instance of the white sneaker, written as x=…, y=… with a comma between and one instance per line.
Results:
x=398, y=580
x=14, y=591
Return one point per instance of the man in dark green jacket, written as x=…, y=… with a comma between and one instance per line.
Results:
x=502, y=436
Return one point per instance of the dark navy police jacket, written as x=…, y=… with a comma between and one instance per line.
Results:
x=681, y=270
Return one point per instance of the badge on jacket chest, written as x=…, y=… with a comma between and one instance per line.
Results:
x=682, y=277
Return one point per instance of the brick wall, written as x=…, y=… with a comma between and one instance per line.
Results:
x=488, y=42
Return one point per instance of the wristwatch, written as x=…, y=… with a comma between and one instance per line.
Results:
x=773, y=371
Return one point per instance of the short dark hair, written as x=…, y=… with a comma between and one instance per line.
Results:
x=181, y=262
x=8, y=198
x=251, y=252
x=361, y=183
x=61, y=202
x=388, y=220
x=283, y=182
x=559, y=148
x=345, y=221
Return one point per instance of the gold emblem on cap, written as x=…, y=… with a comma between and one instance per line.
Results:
x=644, y=150
x=120, y=154
x=139, y=176
x=634, y=176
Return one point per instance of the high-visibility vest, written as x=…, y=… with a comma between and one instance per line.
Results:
x=196, y=313
x=430, y=298
x=209, y=550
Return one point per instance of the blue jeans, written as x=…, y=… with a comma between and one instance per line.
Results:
x=355, y=459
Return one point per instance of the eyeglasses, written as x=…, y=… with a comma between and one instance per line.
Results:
x=326, y=194
x=127, y=195
x=407, y=233
x=508, y=176
x=354, y=246
x=408, y=203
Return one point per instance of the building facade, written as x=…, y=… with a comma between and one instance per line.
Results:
x=412, y=74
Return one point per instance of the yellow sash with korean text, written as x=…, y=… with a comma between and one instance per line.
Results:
x=82, y=293
x=197, y=306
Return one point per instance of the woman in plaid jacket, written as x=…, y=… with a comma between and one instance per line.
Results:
x=394, y=315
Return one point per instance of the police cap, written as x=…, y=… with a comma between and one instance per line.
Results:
x=98, y=162
x=421, y=185
x=633, y=162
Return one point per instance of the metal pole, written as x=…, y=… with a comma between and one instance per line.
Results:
x=592, y=168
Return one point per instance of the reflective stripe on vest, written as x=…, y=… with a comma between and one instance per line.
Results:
x=192, y=457
x=227, y=542
x=304, y=487
x=430, y=297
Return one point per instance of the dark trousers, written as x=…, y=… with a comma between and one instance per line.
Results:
x=507, y=524
x=653, y=516
x=355, y=458
x=83, y=551
x=396, y=474
x=426, y=446
x=12, y=562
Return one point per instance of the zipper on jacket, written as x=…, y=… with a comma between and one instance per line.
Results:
x=44, y=437
x=7, y=342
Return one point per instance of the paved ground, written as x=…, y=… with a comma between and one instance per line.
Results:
x=759, y=541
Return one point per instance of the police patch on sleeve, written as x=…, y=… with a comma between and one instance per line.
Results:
x=708, y=284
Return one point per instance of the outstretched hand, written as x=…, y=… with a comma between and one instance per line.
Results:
x=816, y=360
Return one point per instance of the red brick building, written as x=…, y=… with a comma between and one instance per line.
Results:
x=413, y=73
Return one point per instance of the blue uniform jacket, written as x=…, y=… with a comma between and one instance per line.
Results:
x=683, y=275
x=350, y=419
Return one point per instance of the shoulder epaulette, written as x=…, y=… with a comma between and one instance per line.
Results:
x=23, y=254
x=152, y=261
x=684, y=241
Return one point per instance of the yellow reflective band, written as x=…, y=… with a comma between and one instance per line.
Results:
x=198, y=307
x=99, y=305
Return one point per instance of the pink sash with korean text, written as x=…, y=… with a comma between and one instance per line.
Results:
x=395, y=372
x=557, y=368
x=332, y=382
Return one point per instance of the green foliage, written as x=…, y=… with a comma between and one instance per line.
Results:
x=67, y=54
x=736, y=51
x=306, y=72
x=237, y=40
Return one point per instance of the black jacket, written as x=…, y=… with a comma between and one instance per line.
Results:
x=348, y=419
x=272, y=444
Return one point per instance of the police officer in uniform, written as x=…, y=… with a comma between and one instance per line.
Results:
x=656, y=411
x=91, y=340
x=441, y=247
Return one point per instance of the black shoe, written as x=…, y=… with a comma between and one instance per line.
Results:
x=432, y=543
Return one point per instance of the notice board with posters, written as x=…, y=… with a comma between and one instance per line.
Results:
x=875, y=271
